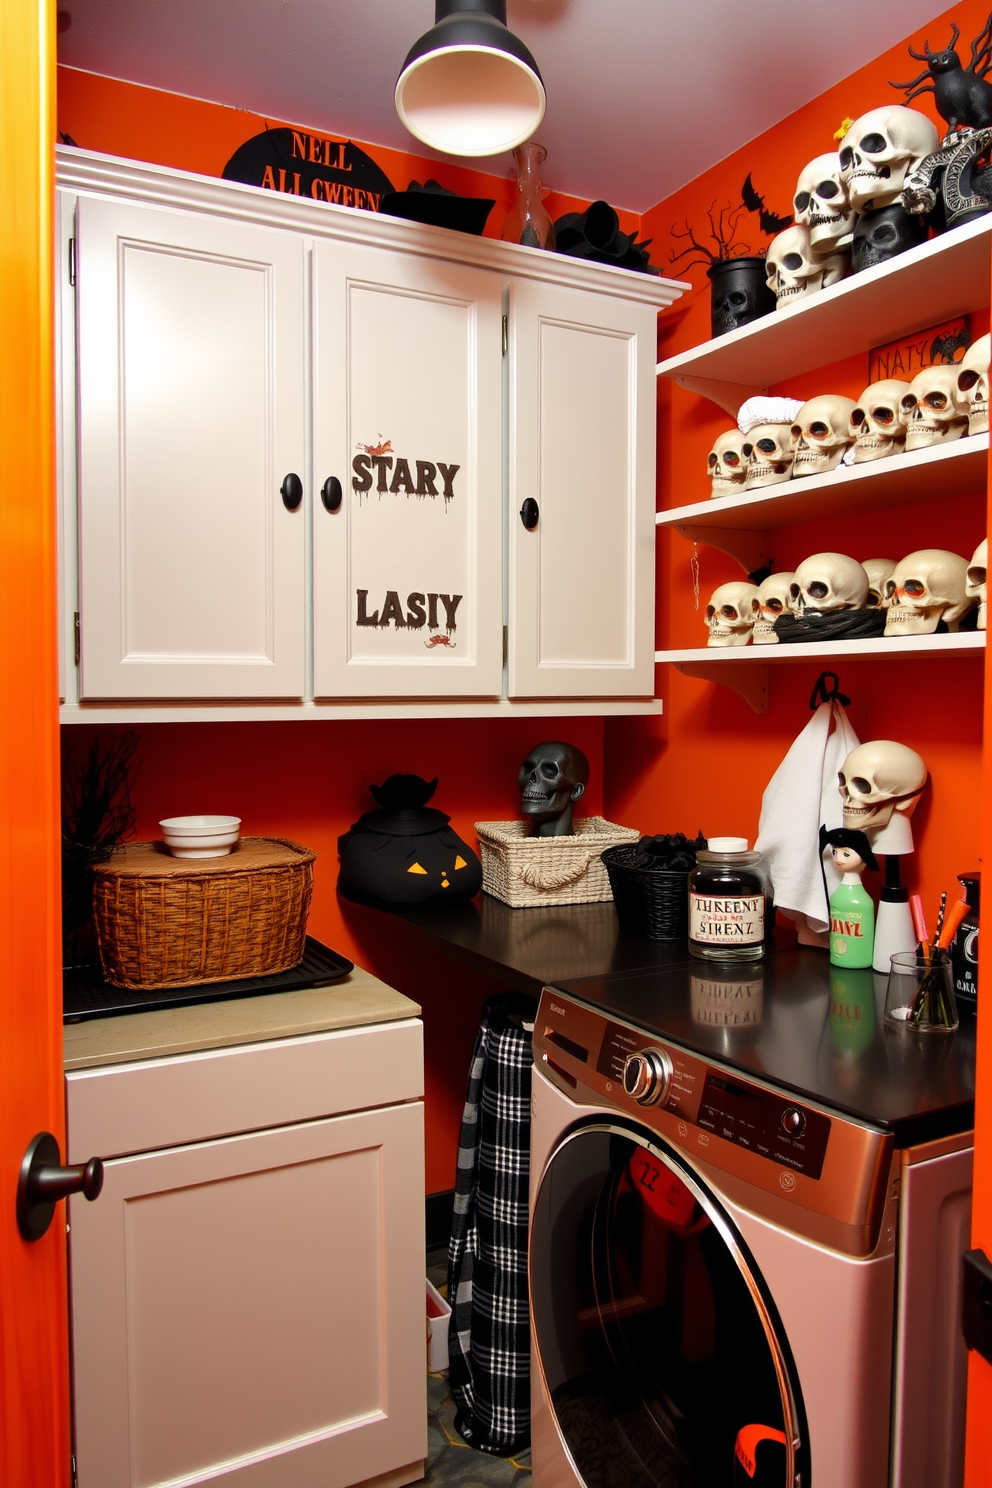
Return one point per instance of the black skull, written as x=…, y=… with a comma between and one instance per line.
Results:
x=551, y=779
x=739, y=293
x=881, y=235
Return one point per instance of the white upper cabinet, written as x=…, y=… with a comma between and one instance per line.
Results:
x=407, y=476
x=582, y=447
x=191, y=414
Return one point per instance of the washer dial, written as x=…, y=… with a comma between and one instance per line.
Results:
x=647, y=1076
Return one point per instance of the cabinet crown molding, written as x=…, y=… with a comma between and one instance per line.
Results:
x=111, y=175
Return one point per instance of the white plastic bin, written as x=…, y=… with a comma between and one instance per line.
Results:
x=438, y=1317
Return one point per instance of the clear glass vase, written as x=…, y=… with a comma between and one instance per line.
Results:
x=528, y=220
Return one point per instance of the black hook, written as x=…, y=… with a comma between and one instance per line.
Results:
x=826, y=690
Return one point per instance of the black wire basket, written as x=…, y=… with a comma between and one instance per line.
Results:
x=651, y=904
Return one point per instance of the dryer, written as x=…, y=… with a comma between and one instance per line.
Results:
x=733, y=1282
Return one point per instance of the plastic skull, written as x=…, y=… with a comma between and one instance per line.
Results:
x=551, y=779
x=973, y=384
x=878, y=422
x=934, y=410
x=725, y=463
x=879, y=149
x=774, y=598
x=821, y=205
x=790, y=268
x=877, y=779
x=829, y=581
x=769, y=454
x=975, y=579
x=878, y=571
x=730, y=614
x=926, y=587
x=822, y=433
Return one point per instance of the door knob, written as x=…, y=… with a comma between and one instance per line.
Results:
x=43, y=1181
x=291, y=491
x=529, y=513
x=330, y=493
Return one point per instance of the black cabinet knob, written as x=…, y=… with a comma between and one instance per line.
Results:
x=43, y=1181
x=529, y=513
x=291, y=491
x=330, y=493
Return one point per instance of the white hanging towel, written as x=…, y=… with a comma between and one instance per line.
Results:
x=801, y=797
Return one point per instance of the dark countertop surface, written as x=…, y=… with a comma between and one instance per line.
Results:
x=790, y=1018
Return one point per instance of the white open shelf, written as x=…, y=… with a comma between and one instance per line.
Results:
x=946, y=277
x=739, y=525
x=745, y=668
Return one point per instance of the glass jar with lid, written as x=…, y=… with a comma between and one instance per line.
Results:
x=727, y=902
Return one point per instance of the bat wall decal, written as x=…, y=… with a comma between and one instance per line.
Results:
x=770, y=222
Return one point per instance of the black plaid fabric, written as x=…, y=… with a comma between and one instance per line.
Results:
x=489, y=1338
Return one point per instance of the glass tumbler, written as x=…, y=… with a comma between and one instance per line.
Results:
x=920, y=994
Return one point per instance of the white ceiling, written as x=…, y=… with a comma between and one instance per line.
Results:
x=642, y=96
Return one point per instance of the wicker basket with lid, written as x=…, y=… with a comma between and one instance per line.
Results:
x=176, y=922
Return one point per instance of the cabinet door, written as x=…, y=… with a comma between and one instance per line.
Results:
x=582, y=445
x=191, y=413
x=408, y=418
x=251, y=1310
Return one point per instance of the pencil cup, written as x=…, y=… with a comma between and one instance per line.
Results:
x=920, y=994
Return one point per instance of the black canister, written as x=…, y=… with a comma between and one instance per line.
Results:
x=739, y=293
x=964, y=946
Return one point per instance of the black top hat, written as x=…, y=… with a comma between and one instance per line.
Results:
x=438, y=207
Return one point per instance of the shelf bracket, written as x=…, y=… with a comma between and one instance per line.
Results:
x=751, y=549
x=750, y=680
x=727, y=395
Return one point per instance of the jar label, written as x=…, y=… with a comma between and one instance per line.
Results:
x=736, y=921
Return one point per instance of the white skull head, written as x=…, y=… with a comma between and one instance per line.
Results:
x=725, y=463
x=730, y=614
x=769, y=454
x=934, y=410
x=878, y=570
x=774, y=598
x=878, y=422
x=829, y=581
x=821, y=433
x=973, y=384
x=821, y=205
x=790, y=268
x=877, y=779
x=975, y=579
x=878, y=151
x=926, y=587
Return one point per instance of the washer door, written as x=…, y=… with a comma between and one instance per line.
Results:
x=658, y=1342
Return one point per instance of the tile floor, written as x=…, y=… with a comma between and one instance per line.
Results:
x=451, y=1462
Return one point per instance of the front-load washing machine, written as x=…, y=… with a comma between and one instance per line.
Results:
x=731, y=1284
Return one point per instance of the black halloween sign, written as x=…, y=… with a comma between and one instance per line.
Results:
x=317, y=166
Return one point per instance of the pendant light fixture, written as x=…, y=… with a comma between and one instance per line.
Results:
x=469, y=86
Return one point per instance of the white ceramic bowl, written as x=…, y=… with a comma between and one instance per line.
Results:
x=200, y=836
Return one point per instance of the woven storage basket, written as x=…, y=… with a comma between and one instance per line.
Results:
x=651, y=905
x=526, y=871
x=176, y=922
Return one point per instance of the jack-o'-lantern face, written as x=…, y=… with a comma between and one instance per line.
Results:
x=447, y=875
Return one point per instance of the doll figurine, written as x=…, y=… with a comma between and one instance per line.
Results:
x=852, y=913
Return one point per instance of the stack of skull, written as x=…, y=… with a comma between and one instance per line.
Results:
x=929, y=590
x=780, y=439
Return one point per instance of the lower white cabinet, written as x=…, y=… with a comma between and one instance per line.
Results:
x=249, y=1308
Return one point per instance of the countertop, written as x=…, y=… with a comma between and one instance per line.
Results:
x=356, y=999
x=790, y=1018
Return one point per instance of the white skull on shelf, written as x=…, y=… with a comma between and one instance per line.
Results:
x=725, y=464
x=925, y=588
x=821, y=205
x=975, y=579
x=730, y=614
x=767, y=448
x=878, y=570
x=821, y=434
x=878, y=421
x=878, y=151
x=935, y=411
x=829, y=581
x=774, y=598
x=791, y=269
x=973, y=384
x=878, y=778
